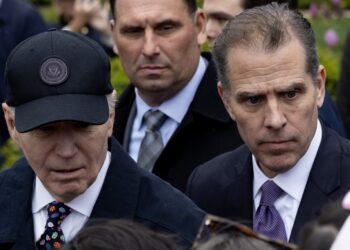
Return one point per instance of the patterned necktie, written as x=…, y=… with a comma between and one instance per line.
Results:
x=53, y=237
x=152, y=143
x=267, y=220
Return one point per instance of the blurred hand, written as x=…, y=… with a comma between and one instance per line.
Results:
x=100, y=19
x=84, y=10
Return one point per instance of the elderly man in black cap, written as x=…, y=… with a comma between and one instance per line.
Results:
x=60, y=112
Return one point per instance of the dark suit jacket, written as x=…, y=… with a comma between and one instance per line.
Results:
x=224, y=185
x=18, y=20
x=128, y=192
x=343, y=87
x=205, y=132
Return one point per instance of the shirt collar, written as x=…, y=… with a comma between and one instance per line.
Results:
x=297, y=174
x=177, y=106
x=83, y=203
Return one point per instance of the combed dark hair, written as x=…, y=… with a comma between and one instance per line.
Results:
x=266, y=27
x=191, y=6
x=110, y=234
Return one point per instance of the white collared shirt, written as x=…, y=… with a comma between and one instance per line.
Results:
x=175, y=108
x=292, y=182
x=81, y=206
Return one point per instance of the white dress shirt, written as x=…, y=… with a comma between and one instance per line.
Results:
x=175, y=108
x=81, y=206
x=292, y=182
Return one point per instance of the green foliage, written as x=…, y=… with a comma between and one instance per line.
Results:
x=330, y=57
x=49, y=13
x=119, y=79
x=331, y=62
x=11, y=153
x=304, y=4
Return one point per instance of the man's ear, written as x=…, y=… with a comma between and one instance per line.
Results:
x=112, y=26
x=111, y=118
x=110, y=123
x=225, y=99
x=10, y=122
x=320, y=85
x=200, y=24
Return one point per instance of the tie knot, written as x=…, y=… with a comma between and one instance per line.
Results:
x=270, y=193
x=57, y=211
x=154, y=119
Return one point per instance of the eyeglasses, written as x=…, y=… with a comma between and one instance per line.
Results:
x=213, y=225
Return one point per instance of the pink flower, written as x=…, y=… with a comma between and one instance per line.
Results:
x=331, y=38
x=313, y=10
x=336, y=3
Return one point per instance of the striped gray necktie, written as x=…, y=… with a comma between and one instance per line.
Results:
x=152, y=143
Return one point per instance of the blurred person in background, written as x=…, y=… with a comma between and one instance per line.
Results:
x=18, y=20
x=218, y=13
x=88, y=17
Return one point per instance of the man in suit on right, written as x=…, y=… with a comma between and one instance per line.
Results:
x=272, y=85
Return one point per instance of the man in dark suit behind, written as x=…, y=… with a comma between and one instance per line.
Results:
x=60, y=112
x=18, y=20
x=272, y=85
x=158, y=45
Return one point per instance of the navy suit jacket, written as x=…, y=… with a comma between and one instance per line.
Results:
x=224, y=185
x=18, y=20
x=128, y=192
x=205, y=132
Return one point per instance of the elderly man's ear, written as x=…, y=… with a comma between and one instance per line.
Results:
x=10, y=121
x=110, y=123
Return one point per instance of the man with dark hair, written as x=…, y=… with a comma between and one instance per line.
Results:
x=60, y=111
x=291, y=164
x=170, y=118
x=219, y=12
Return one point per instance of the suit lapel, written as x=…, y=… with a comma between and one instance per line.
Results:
x=324, y=179
x=123, y=114
x=240, y=194
x=120, y=191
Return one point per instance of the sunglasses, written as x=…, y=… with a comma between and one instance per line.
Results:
x=213, y=225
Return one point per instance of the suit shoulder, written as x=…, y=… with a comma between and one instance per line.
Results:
x=165, y=208
x=226, y=163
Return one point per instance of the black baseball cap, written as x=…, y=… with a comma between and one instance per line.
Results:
x=57, y=76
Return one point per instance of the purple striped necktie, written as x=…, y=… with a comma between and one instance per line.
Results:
x=267, y=220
